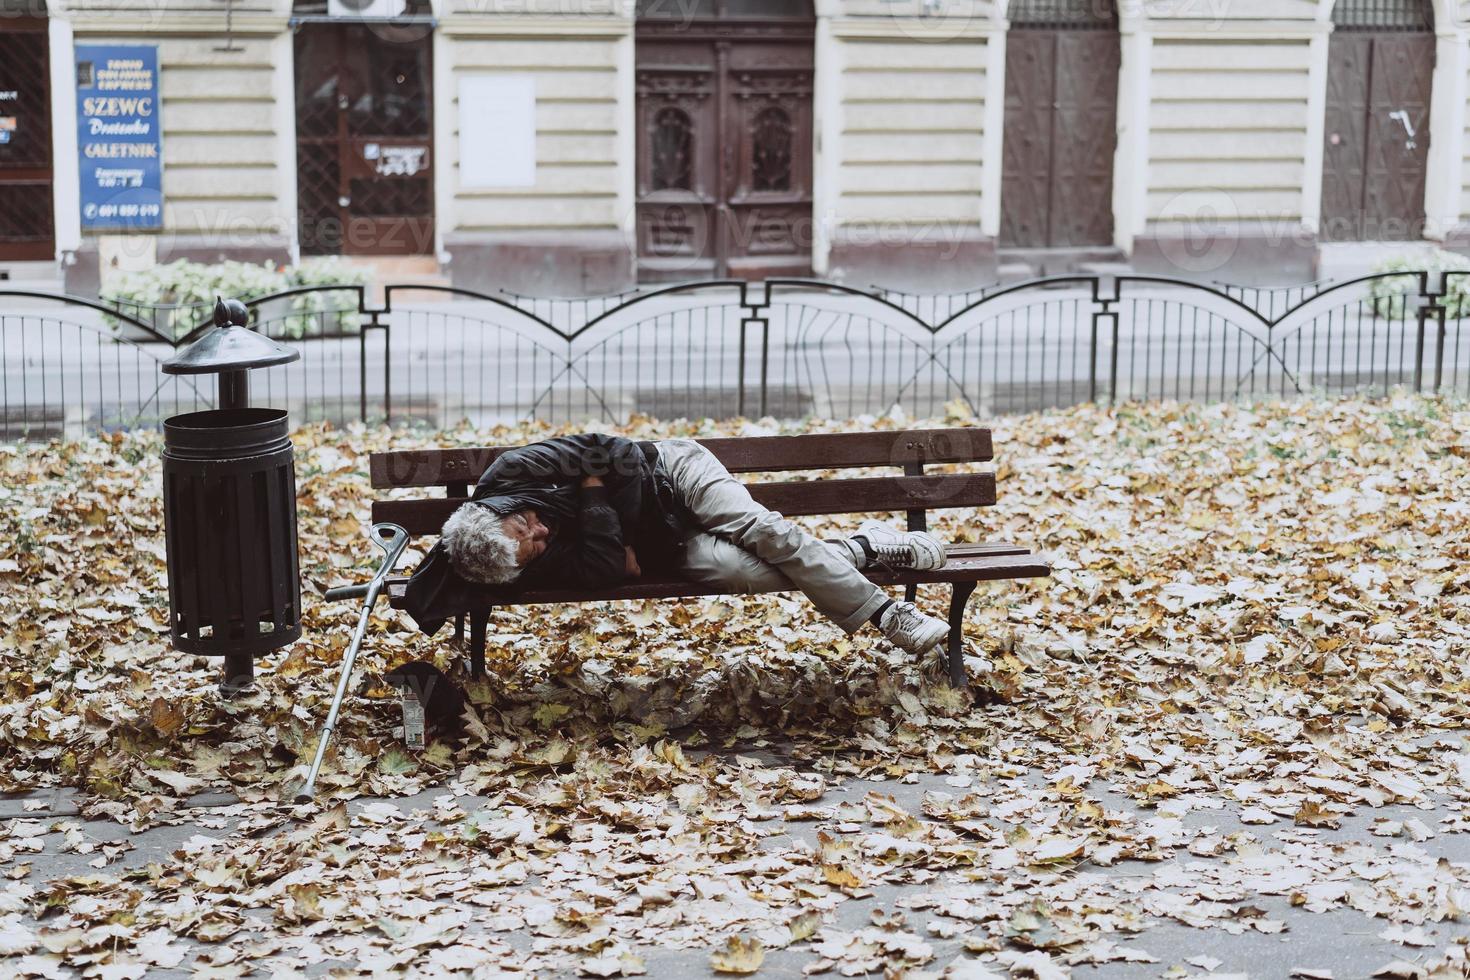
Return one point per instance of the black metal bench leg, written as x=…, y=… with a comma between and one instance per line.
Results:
x=960, y=594
x=478, y=619
x=918, y=520
x=459, y=626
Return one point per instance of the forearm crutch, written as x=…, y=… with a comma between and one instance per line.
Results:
x=392, y=539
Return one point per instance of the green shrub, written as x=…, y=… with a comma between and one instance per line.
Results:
x=180, y=296
x=1393, y=298
x=325, y=271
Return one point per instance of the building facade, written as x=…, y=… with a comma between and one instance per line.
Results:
x=580, y=146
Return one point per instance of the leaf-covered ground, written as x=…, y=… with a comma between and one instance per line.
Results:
x=1260, y=613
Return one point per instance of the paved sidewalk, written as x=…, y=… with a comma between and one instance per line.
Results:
x=1340, y=943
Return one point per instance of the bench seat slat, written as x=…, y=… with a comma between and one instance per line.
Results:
x=761, y=454
x=794, y=498
x=978, y=563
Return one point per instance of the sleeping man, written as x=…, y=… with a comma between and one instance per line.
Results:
x=592, y=511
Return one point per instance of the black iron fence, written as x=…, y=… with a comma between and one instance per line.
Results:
x=785, y=347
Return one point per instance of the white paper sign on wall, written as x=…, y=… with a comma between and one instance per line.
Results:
x=497, y=131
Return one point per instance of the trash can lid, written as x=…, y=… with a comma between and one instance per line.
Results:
x=229, y=345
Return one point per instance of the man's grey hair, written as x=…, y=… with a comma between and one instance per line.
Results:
x=478, y=546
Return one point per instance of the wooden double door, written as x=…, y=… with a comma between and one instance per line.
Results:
x=364, y=140
x=27, y=222
x=1376, y=156
x=724, y=175
x=1061, y=110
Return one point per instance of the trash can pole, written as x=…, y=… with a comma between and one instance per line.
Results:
x=232, y=390
x=392, y=539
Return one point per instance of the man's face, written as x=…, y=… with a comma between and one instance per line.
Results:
x=524, y=527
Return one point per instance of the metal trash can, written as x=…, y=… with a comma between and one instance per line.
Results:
x=229, y=493
x=229, y=505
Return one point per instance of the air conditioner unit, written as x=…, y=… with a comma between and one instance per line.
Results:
x=366, y=8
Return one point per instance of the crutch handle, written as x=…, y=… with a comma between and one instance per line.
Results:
x=392, y=539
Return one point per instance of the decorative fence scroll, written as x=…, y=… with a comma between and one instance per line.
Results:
x=785, y=348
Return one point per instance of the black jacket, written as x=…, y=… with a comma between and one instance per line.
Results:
x=589, y=526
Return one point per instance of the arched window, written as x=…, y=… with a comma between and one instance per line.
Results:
x=771, y=150
x=673, y=150
x=1412, y=16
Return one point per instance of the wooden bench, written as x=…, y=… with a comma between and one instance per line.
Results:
x=914, y=492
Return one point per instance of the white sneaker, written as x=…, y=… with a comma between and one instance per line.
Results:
x=918, y=550
x=911, y=630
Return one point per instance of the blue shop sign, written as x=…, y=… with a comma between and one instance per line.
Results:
x=118, y=139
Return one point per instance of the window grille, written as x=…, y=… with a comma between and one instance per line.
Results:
x=318, y=9
x=721, y=9
x=1076, y=15
x=673, y=150
x=771, y=140
x=1416, y=16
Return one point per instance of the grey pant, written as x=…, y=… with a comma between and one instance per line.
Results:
x=745, y=547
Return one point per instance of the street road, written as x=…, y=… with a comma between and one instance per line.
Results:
x=812, y=353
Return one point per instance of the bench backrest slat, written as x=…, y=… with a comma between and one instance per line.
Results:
x=760, y=454
x=793, y=498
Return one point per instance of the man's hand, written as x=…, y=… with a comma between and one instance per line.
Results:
x=630, y=562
